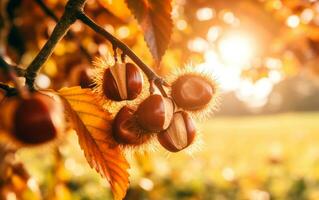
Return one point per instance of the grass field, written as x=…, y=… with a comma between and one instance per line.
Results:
x=259, y=158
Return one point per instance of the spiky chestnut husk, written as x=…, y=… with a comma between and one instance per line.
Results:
x=34, y=120
x=155, y=113
x=125, y=129
x=180, y=134
x=195, y=91
x=123, y=81
x=101, y=64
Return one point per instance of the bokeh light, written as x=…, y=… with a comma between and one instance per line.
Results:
x=236, y=48
x=43, y=81
x=293, y=21
x=198, y=45
x=204, y=14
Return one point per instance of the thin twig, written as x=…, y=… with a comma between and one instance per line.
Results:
x=10, y=91
x=19, y=71
x=68, y=18
x=9, y=71
x=69, y=34
x=152, y=76
x=47, y=10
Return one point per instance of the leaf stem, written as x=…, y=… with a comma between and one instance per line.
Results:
x=152, y=76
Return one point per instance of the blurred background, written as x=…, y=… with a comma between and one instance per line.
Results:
x=263, y=142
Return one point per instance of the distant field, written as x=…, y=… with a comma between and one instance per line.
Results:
x=259, y=157
x=251, y=139
x=262, y=152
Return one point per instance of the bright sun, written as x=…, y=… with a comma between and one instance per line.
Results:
x=236, y=48
x=235, y=52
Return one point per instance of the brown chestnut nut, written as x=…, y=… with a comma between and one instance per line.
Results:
x=192, y=92
x=155, y=113
x=81, y=75
x=123, y=81
x=84, y=79
x=37, y=119
x=180, y=134
x=125, y=129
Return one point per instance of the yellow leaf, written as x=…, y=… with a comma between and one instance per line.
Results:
x=93, y=127
x=117, y=8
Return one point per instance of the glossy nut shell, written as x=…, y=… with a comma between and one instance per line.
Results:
x=192, y=92
x=123, y=81
x=180, y=134
x=37, y=119
x=125, y=129
x=155, y=113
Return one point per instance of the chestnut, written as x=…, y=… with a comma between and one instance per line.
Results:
x=37, y=119
x=192, y=92
x=84, y=79
x=155, y=113
x=180, y=134
x=125, y=130
x=123, y=81
x=81, y=75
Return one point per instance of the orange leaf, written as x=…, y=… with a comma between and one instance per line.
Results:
x=93, y=127
x=154, y=17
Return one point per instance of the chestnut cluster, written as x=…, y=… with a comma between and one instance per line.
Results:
x=167, y=118
x=155, y=115
x=32, y=120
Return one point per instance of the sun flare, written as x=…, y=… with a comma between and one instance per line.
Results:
x=236, y=48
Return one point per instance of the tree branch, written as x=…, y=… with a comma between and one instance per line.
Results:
x=152, y=76
x=68, y=18
x=53, y=16
x=73, y=11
